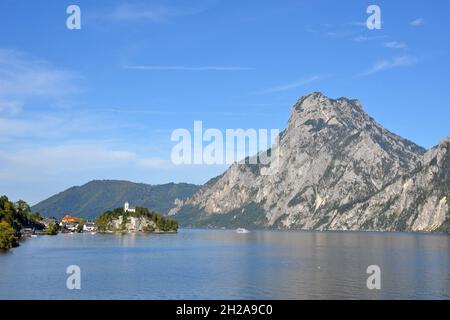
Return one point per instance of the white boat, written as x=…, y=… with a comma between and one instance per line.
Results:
x=34, y=236
x=242, y=230
x=93, y=232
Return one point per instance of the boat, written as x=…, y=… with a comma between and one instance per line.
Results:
x=34, y=236
x=242, y=230
x=93, y=232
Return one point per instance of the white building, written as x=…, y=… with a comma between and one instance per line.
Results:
x=127, y=208
x=89, y=227
x=71, y=226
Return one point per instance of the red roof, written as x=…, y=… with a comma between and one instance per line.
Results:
x=70, y=219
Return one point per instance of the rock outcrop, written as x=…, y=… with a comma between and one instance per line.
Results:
x=133, y=224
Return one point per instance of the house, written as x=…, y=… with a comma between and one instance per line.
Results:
x=89, y=227
x=71, y=226
x=48, y=222
x=70, y=223
x=69, y=219
x=126, y=208
x=26, y=232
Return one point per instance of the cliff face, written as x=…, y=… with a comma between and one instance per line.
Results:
x=337, y=170
x=417, y=201
x=132, y=224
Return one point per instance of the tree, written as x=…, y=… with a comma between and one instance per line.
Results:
x=7, y=239
x=22, y=206
x=52, y=229
x=37, y=216
x=15, y=216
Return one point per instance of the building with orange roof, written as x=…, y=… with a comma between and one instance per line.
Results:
x=70, y=219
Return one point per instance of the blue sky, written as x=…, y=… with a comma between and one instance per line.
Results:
x=101, y=102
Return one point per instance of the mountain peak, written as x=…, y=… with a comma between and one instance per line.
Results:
x=318, y=108
x=445, y=142
x=312, y=98
x=317, y=99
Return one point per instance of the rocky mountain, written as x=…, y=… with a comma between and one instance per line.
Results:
x=98, y=196
x=337, y=170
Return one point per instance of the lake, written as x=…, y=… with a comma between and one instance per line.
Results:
x=222, y=264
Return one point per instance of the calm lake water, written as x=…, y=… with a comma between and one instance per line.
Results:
x=221, y=264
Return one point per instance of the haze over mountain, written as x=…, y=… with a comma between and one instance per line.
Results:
x=338, y=170
x=98, y=196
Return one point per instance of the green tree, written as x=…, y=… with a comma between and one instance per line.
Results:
x=36, y=216
x=15, y=216
x=7, y=238
x=22, y=206
x=52, y=229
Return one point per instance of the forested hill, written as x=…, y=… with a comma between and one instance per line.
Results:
x=95, y=197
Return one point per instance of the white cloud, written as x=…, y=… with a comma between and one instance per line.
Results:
x=13, y=128
x=186, y=68
x=132, y=13
x=11, y=107
x=152, y=162
x=289, y=86
x=72, y=158
x=395, y=45
x=387, y=64
x=417, y=22
x=367, y=38
x=358, y=24
x=45, y=126
x=347, y=30
x=24, y=76
x=144, y=12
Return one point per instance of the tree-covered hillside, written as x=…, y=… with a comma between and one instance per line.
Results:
x=95, y=197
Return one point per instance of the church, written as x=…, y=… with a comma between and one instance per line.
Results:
x=126, y=208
